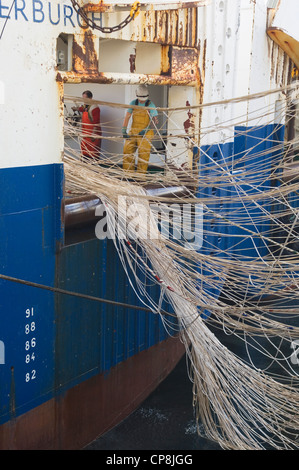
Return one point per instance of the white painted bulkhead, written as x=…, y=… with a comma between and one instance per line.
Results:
x=238, y=64
x=30, y=124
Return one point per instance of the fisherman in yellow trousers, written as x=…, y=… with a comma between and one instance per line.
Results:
x=141, y=133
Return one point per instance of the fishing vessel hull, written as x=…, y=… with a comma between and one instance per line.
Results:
x=78, y=350
x=73, y=419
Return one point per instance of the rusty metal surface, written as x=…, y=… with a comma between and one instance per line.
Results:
x=179, y=66
x=99, y=7
x=72, y=420
x=173, y=27
x=84, y=54
x=283, y=26
x=185, y=64
x=175, y=30
x=287, y=43
x=103, y=7
x=109, y=78
x=280, y=61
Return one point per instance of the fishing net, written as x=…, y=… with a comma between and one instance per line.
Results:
x=214, y=222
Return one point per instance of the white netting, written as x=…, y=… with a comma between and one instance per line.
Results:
x=223, y=245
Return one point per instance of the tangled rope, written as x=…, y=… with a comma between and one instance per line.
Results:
x=234, y=288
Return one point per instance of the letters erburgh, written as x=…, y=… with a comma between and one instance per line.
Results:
x=114, y=460
x=38, y=11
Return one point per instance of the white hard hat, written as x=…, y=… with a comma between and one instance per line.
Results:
x=142, y=91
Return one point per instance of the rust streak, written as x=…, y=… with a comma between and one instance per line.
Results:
x=189, y=124
x=171, y=27
x=84, y=57
x=165, y=60
x=132, y=60
x=185, y=63
x=61, y=96
x=99, y=7
x=100, y=77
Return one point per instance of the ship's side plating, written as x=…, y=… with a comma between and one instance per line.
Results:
x=71, y=367
x=241, y=60
x=31, y=224
x=58, y=351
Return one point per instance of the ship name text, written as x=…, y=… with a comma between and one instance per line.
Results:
x=37, y=11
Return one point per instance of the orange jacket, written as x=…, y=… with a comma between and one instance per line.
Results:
x=91, y=130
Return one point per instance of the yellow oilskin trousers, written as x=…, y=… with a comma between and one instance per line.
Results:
x=140, y=120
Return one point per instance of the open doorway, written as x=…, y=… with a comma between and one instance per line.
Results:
x=175, y=134
x=117, y=97
x=171, y=147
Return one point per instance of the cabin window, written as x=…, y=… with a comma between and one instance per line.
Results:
x=64, y=52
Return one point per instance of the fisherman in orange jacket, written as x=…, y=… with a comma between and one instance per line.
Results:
x=141, y=134
x=91, y=129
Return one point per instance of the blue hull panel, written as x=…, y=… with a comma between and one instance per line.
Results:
x=52, y=341
x=251, y=153
x=30, y=229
